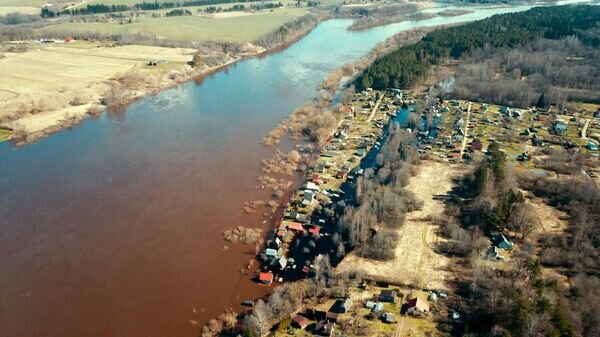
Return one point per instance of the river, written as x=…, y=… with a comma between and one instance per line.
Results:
x=113, y=228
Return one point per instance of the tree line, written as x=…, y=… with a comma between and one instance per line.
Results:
x=410, y=63
x=147, y=6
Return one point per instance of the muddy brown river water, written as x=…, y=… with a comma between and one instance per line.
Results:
x=114, y=228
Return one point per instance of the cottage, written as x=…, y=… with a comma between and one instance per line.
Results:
x=370, y=304
x=265, y=277
x=309, y=197
x=559, y=127
x=300, y=322
x=293, y=226
x=280, y=263
x=361, y=152
x=387, y=296
x=500, y=241
x=388, y=317
x=270, y=252
x=332, y=316
x=476, y=144
x=324, y=328
x=316, y=230
x=312, y=185
x=341, y=306
x=417, y=307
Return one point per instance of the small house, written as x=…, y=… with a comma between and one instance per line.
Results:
x=266, y=277
x=332, y=316
x=300, y=322
x=309, y=197
x=341, y=306
x=387, y=296
x=476, y=144
x=370, y=304
x=361, y=152
x=315, y=230
x=417, y=307
x=500, y=241
x=280, y=263
x=388, y=317
x=270, y=252
x=324, y=328
x=294, y=226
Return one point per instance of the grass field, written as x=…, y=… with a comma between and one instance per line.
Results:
x=4, y=134
x=23, y=3
x=14, y=9
x=193, y=28
x=64, y=67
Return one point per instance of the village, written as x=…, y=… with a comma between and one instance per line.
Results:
x=452, y=132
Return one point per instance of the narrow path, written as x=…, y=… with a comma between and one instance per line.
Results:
x=376, y=107
x=464, y=141
x=398, y=331
x=585, y=127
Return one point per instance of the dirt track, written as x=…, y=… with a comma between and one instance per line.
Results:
x=416, y=262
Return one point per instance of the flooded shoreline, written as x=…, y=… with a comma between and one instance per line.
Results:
x=114, y=228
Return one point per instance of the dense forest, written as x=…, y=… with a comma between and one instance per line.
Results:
x=561, y=70
x=410, y=63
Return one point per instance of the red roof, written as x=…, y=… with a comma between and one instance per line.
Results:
x=315, y=230
x=281, y=233
x=295, y=226
x=347, y=109
x=266, y=277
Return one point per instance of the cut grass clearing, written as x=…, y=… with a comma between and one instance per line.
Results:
x=20, y=9
x=191, y=28
x=4, y=135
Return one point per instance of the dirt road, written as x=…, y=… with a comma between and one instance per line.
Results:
x=463, y=146
x=416, y=262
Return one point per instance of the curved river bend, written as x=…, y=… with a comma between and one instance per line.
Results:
x=114, y=228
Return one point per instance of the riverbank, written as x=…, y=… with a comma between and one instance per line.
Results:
x=62, y=83
x=59, y=85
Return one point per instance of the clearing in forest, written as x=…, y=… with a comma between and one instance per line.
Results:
x=416, y=261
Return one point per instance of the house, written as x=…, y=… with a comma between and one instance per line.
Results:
x=341, y=174
x=592, y=147
x=308, y=198
x=476, y=144
x=69, y=39
x=293, y=226
x=559, y=127
x=312, y=185
x=266, y=277
x=280, y=263
x=341, y=306
x=270, y=252
x=387, y=296
x=361, y=152
x=500, y=241
x=494, y=254
x=315, y=231
x=331, y=316
x=370, y=304
x=417, y=307
x=324, y=328
x=388, y=317
x=300, y=322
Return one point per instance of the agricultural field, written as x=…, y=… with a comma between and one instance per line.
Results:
x=23, y=3
x=52, y=77
x=243, y=28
